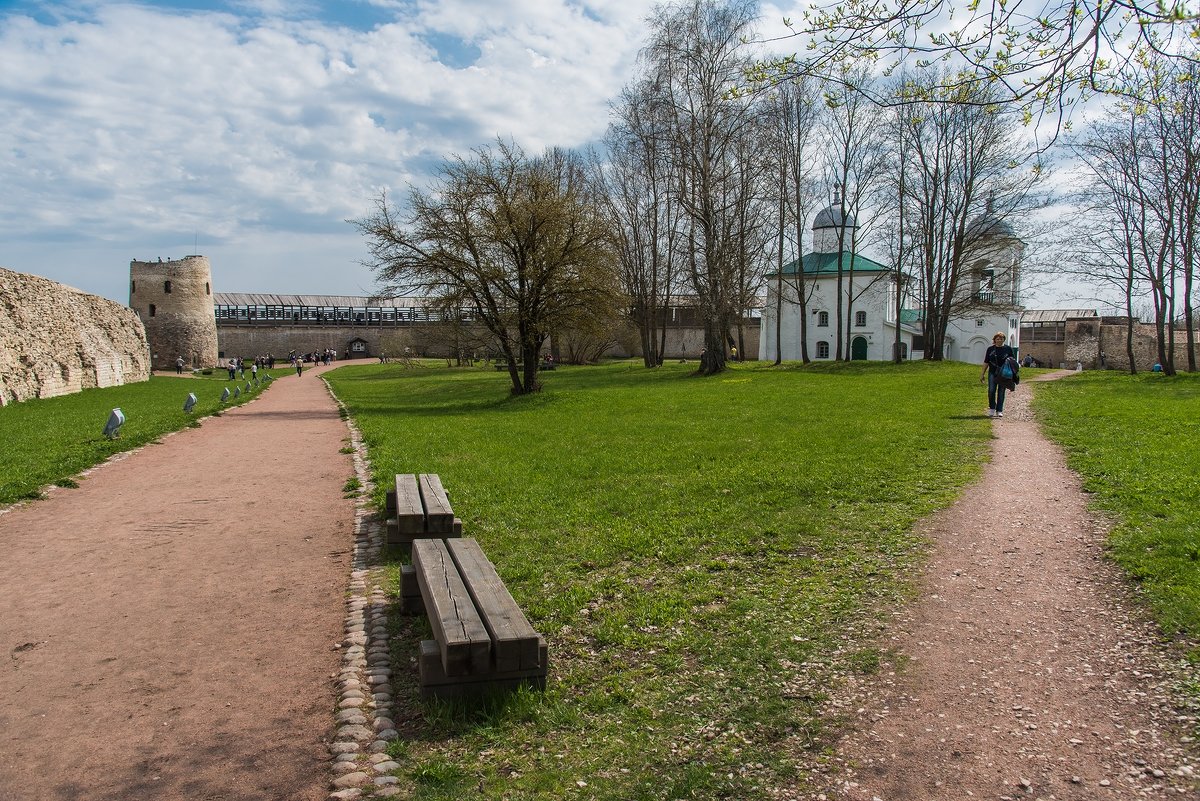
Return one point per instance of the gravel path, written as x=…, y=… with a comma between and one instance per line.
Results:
x=168, y=626
x=1020, y=671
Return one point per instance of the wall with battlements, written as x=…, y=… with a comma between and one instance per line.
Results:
x=55, y=340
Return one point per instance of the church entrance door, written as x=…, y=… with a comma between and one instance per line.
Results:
x=858, y=349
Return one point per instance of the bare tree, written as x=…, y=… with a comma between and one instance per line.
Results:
x=750, y=202
x=793, y=112
x=963, y=172
x=696, y=61
x=1144, y=172
x=855, y=157
x=645, y=213
x=521, y=243
x=897, y=239
x=1101, y=247
x=1175, y=122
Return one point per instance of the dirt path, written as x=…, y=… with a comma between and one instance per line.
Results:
x=1021, y=674
x=167, y=627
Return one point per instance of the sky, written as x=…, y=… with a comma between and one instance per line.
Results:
x=249, y=131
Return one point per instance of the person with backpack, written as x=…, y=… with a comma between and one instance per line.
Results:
x=999, y=360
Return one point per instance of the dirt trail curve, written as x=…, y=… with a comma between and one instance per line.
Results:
x=1025, y=676
x=167, y=627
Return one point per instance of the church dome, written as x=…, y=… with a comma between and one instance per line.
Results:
x=832, y=217
x=991, y=224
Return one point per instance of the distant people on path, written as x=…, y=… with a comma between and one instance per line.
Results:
x=254, y=371
x=179, y=366
x=232, y=367
x=993, y=366
x=299, y=366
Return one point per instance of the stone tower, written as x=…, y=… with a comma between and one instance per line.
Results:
x=175, y=301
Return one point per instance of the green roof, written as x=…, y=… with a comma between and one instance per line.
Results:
x=827, y=264
x=910, y=316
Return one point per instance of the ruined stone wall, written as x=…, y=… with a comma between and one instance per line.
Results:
x=1145, y=346
x=175, y=301
x=1101, y=344
x=55, y=340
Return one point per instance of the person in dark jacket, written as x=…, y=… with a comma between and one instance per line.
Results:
x=993, y=362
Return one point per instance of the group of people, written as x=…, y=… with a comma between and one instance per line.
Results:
x=237, y=366
x=298, y=360
x=325, y=357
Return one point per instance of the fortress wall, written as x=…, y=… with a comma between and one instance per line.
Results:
x=1087, y=340
x=56, y=340
x=249, y=341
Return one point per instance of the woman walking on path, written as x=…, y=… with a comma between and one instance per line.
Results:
x=993, y=361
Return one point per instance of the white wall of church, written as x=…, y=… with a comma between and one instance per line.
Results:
x=968, y=338
x=871, y=321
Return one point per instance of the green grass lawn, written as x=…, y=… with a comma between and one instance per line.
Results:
x=1136, y=442
x=701, y=554
x=49, y=441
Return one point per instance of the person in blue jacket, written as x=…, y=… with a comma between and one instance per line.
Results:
x=993, y=363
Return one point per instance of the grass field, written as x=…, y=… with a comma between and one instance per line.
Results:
x=702, y=555
x=1136, y=442
x=49, y=441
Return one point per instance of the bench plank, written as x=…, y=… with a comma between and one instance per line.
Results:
x=439, y=517
x=410, y=514
x=436, y=684
x=461, y=635
x=514, y=642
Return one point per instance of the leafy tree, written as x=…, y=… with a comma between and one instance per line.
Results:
x=519, y=243
x=1041, y=59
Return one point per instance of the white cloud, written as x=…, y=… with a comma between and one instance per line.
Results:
x=133, y=127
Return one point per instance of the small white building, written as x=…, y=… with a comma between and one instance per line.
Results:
x=987, y=303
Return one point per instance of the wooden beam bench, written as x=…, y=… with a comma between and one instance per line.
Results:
x=482, y=640
x=418, y=506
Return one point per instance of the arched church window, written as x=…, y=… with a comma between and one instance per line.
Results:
x=823, y=322
x=860, y=318
x=823, y=348
x=167, y=287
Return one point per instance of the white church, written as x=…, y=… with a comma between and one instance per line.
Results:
x=989, y=298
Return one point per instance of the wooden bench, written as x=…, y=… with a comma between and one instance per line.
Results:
x=419, y=507
x=482, y=640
